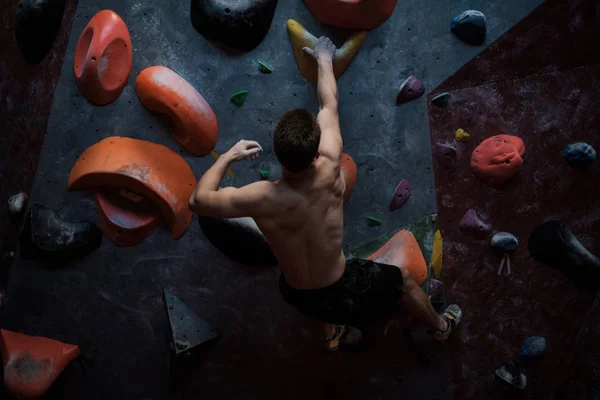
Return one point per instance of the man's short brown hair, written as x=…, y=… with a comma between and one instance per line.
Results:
x=296, y=139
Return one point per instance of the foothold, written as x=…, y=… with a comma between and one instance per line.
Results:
x=435, y=290
x=36, y=25
x=441, y=100
x=436, y=254
x=264, y=68
x=102, y=61
x=462, y=135
x=504, y=242
x=446, y=155
x=411, y=89
x=470, y=27
x=17, y=202
x=195, y=124
x=240, y=239
x=533, y=347
x=579, y=154
x=238, y=24
x=372, y=221
x=301, y=38
x=48, y=237
x=264, y=174
x=511, y=374
x=351, y=14
x=553, y=244
x=151, y=170
x=32, y=363
x=498, y=158
x=401, y=195
x=472, y=224
x=349, y=173
x=239, y=97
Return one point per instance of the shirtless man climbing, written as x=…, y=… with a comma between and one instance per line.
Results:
x=302, y=217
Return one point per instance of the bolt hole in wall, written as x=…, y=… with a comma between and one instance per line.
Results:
x=227, y=11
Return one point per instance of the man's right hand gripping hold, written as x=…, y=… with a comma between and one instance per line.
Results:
x=302, y=214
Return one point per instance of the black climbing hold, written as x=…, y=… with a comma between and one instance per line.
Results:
x=264, y=68
x=441, y=100
x=470, y=27
x=36, y=26
x=264, y=174
x=238, y=24
x=445, y=155
x=512, y=374
x=579, y=154
x=533, y=347
x=372, y=221
x=553, y=244
x=240, y=239
x=47, y=236
x=239, y=97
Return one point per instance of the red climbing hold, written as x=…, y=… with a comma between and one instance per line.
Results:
x=352, y=14
x=498, y=158
x=349, y=173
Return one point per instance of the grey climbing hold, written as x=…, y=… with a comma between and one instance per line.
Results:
x=579, y=154
x=17, y=202
x=441, y=100
x=470, y=27
x=504, y=242
x=411, y=89
x=36, y=26
x=401, y=195
x=533, y=347
x=512, y=374
x=445, y=154
x=472, y=224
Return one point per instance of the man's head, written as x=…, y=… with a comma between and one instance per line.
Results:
x=296, y=140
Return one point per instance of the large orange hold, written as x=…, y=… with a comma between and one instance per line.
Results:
x=103, y=58
x=349, y=172
x=352, y=14
x=498, y=158
x=150, y=169
x=403, y=251
x=32, y=363
x=195, y=123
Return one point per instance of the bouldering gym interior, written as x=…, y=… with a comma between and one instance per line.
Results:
x=470, y=131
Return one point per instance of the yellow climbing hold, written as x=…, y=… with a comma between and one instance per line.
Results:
x=436, y=255
x=301, y=38
x=462, y=135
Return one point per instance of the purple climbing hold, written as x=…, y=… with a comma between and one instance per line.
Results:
x=410, y=90
x=401, y=195
x=445, y=154
x=472, y=224
x=435, y=289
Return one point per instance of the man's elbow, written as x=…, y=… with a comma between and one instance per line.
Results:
x=197, y=204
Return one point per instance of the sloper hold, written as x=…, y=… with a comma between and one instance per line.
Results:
x=441, y=100
x=446, y=155
x=301, y=38
x=48, y=237
x=498, y=158
x=239, y=97
x=195, y=123
x=32, y=363
x=102, y=61
x=533, y=347
x=351, y=14
x=150, y=169
x=401, y=195
x=472, y=224
x=238, y=24
x=411, y=89
x=240, y=239
x=470, y=27
x=36, y=26
x=553, y=244
x=349, y=172
x=579, y=154
x=504, y=242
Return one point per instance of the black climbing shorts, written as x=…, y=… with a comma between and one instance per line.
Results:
x=366, y=292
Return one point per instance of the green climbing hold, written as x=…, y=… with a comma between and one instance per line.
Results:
x=264, y=174
x=264, y=68
x=239, y=98
x=171, y=306
x=372, y=221
x=187, y=354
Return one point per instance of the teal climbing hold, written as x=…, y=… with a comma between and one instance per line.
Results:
x=264, y=68
x=372, y=221
x=264, y=174
x=239, y=98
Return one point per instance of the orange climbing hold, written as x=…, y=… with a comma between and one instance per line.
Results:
x=349, y=173
x=352, y=14
x=498, y=158
x=403, y=251
x=103, y=58
x=195, y=123
x=142, y=167
x=32, y=363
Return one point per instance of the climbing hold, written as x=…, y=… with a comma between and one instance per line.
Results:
x=36, y=26
x=349, y=173
x=401, y=195
x=240, y=239
x=553, y=244
x=264, y=174
x=17, y=202
x=195, y=123
x=445, y=154
x=411, y=89
x=504, y=242
x=470, y=27
x=149, y=169
x=436, y=254
x=498, y=158
x=102, y=61
x=372, y=221
x=533, y=347
x=301, y=38
x=239, y=97
x=435, y=290
x=441, y=100
x=238, y=24
x=511, y=373
x=47, y=236
x=353, y=14
x=579, y=154
x=264, y=68
x=462, y=135
x=32, y=363
x=472, y=224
